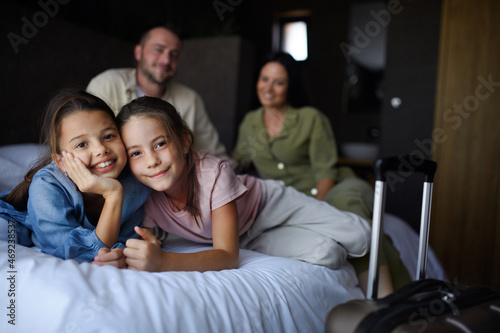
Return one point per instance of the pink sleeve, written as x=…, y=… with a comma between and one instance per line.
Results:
x=148, y=222
x=227, y=187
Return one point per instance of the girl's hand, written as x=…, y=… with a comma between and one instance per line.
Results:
x=86, y=181
x=108, y=225
x=113, y=257
x=145, y=254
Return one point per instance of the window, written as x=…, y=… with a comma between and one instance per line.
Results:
x=295, y=39
x=290, y=34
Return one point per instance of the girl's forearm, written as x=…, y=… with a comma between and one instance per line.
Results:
x=108, y=226
x=209, y=260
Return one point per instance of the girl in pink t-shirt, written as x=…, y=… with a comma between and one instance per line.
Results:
x=200, y=198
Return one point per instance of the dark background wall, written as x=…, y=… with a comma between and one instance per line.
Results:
x=38, y=60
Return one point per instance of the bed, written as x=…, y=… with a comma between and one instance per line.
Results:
x=264, y=294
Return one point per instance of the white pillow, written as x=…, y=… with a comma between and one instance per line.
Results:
x=11, y=174
x=16, y=160
x=23, y=154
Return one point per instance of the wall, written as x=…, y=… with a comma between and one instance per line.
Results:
x=54, y=55
x=223, y=78
x=466, y=209
x=411, y=73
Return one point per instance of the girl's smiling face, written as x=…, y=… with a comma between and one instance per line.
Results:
x=153, y=158
x=93, y=137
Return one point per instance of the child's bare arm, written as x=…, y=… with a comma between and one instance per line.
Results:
x=147, y=254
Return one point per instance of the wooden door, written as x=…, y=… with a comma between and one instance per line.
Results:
x=465, y=229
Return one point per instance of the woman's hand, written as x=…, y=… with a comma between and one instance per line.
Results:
x=86, y=181
x=113, y=257
x=145, y=254
x=323, y=187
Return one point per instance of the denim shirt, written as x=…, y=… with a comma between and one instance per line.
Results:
x=57, y=218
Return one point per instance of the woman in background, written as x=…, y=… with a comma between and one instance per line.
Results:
x=286, y=140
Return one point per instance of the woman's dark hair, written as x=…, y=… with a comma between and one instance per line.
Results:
x=296, y=94
x=62, y=104
x=175, y=129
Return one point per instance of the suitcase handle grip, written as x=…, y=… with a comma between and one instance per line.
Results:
x=405, y=164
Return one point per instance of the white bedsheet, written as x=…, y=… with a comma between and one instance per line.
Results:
x=265, y=294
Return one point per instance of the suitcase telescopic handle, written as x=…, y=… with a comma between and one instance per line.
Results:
x=403, y=164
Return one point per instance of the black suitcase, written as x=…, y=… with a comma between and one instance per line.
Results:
x=424, y=305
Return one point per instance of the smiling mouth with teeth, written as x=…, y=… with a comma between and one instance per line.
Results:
x=103, y=164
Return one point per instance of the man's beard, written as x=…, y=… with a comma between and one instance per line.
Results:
x=152, y=79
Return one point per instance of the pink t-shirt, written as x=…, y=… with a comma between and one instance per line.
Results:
x=218, y=185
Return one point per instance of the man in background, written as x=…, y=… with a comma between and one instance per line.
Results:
x=157, y=56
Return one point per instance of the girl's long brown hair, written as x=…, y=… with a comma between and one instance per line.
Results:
x=175, y=129
x=62, y=104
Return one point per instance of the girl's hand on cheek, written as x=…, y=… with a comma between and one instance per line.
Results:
x=86, y=181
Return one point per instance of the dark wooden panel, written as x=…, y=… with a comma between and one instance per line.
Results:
x=466, y=219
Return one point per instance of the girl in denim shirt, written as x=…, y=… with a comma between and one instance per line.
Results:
x=82, y=200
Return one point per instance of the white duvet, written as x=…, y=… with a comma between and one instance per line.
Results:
x=265, y=294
